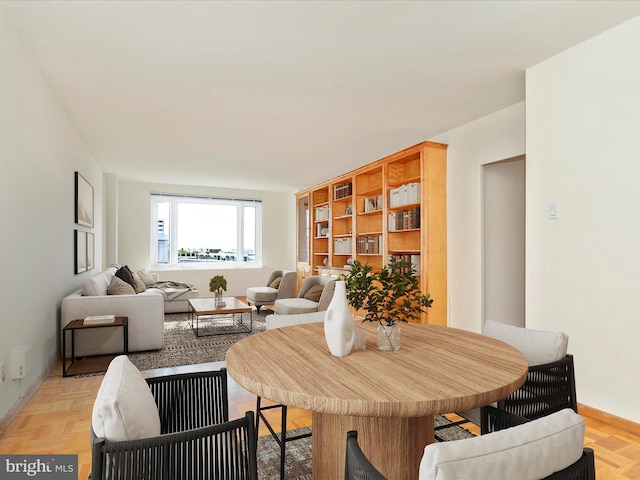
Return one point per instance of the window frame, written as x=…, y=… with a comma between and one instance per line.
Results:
x=174, y=200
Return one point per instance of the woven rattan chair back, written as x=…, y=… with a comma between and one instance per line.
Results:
x=357, y=465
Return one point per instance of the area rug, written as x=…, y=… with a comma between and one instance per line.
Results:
x=182, y=347
x=298, y=457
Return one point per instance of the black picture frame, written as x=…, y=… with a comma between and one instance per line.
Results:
x=91, y=248
x=80, y=251
x=84, y=201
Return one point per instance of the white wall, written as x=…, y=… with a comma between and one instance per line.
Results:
x=39, y=152
x=493, y=138
x=583, y=270
x=278, y=234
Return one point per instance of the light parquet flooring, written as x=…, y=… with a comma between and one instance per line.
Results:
x=58, y=416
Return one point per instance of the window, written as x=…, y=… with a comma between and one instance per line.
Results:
x=201, y=231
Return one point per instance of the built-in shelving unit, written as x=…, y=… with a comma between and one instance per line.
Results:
x=393, y=206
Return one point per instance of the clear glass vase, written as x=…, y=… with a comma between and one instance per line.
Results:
x=389, y=337
x=218, y=298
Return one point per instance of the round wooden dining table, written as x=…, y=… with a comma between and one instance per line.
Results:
x=390, y=398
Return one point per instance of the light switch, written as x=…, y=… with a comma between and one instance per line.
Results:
x=553, y=211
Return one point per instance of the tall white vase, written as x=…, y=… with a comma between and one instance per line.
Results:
x=339, y=329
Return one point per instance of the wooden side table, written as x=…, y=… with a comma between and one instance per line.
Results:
x=98, y=363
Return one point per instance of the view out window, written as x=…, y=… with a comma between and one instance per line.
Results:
x=205, y=231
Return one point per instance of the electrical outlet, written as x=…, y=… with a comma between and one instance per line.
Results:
x=3, y=374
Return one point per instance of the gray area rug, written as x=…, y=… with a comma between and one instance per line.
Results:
x=182, y=347
x=298, y=457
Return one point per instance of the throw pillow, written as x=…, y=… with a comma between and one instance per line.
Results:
x=138, y=284
x=146, y=277
x=124, y=408
x=120, y=287
x=125, y=274
x=276, y=283
x=314, y=293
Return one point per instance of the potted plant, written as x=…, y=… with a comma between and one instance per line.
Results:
x=217, y=285
x=388, y=296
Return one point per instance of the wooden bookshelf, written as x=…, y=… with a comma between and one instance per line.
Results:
x=393, y=206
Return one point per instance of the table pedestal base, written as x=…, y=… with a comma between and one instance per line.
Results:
x=393, y=445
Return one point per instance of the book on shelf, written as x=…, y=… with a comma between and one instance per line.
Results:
x=404, y=219
x=99, y=319
x=369, y=245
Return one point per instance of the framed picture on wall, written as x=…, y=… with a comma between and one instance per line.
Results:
x=90, y=251
x=80, y=243
x=84, y=201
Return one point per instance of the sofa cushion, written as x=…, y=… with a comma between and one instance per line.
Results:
x=314, y=293
x=124, y=408
x=96, y=285
x=289, y=306
x=262, y=294
x=147, y=277
x=120, y=287
x=276, y=282
x=533, y=450
x=538, y=346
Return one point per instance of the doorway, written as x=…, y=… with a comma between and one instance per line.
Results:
x=503, y=241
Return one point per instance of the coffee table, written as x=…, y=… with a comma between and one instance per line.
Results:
x=390, y=398
x=202, y=308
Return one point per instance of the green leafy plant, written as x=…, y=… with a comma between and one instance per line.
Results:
x=388, y=296
x=216, y=283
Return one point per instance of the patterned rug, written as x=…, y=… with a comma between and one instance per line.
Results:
x=298, y=457
x=182, y=347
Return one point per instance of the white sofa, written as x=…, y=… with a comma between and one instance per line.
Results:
x=145, y=311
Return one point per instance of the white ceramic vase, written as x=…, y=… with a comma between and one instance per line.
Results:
x=339, y=329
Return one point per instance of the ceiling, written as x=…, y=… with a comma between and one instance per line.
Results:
x=282, y=95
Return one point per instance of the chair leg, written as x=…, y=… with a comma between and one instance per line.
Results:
x=281, y=439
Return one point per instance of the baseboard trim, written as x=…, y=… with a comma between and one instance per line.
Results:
x=28, y=394
x=609, y=419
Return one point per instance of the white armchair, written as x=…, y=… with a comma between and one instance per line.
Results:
x=315, y=295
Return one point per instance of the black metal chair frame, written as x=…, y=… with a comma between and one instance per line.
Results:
x=197, y=440
x=547, y=389
x=357, y=466
x=281, y=438
x=493, y=419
